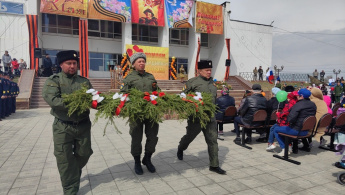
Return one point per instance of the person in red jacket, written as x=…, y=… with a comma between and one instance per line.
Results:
x=15, y=67
x=282, y=118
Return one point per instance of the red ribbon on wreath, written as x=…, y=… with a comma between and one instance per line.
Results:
x=122, y=103
x=190, y=101
x=94, y=104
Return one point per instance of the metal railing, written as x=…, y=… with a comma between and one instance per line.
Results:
x=249, y=76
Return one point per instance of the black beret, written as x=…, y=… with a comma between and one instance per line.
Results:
x=67, y=55
x=289, y=88
x=256, y=87
x=204, y=64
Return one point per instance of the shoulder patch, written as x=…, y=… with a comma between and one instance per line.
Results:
x=184, y=87
x=121, y=86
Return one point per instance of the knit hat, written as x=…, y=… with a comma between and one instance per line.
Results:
x=275, y=90
x=136, y=56
x=67, y=55
x=225, y=91
x=304, y=92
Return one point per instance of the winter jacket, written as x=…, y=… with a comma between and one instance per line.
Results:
x=6, y=59
x=223, y=102
x=338, y=90
x=252, y=104
x=15, y=65
x=321, y=106
x=301, y=110
x=273, y=104
x=282, y=116
x=328, y=102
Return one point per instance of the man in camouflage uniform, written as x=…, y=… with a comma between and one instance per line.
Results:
x=144, y=82
x=202, y=83
x=71, y=134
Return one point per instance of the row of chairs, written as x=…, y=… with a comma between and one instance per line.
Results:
x=308, y=125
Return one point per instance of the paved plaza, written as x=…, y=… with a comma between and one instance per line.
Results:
x=27, y=163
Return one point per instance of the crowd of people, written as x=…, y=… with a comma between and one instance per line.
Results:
x=11, y=66
x=299, y=104
x=9, y=90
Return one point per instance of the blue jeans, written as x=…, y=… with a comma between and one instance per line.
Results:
x=271, y=136
x=286, y=130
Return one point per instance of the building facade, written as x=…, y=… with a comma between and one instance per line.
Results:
x=250, y=45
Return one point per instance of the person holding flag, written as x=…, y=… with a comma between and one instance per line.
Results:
x=269, y=76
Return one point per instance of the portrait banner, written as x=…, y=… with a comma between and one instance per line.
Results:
x=150, y=12
x=209, y=18
x=179, y=13
x=157, y=59
x=76, y=8
x=115, y=10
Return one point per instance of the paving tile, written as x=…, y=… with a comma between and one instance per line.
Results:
x=213, y=189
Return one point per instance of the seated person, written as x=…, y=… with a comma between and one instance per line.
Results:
x=301, y=110
x=282, y=118
x=223, y=102
x=272, y=105
x=321, y=109
x=251, y=104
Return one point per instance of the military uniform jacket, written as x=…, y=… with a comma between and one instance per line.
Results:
x=59, y=84
x=144, y=82
x=201, y=84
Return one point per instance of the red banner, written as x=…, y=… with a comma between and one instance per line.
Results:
x=150, y=12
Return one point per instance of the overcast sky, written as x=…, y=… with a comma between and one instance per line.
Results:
x=307, y=34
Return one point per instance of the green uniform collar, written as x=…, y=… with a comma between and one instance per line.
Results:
x=68, y=76
x=204, y=78
x=138, y=73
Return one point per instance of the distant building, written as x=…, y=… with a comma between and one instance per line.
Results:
x=250, y=45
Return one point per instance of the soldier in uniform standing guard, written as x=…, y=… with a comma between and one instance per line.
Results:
x=71, y=134
x=202, y=83
x=145, y=82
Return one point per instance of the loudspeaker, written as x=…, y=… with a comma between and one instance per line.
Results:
x=227, y=62
x=38, y=53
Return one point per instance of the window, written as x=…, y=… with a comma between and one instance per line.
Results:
x=106, y=29
x=144, y=33
x=179, y=36
x=180, y=62
x=204, y=40
x=102, y=61
x=52, y=23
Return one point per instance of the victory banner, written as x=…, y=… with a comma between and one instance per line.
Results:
x=180, y=13
x=157, y=59
x=150, y=12
x=76, y=8
x=209, y=18
x=115, y=10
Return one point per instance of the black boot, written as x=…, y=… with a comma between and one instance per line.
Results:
x=137, y=166
x=180, y=154
x=218, y=170
x=147, y=161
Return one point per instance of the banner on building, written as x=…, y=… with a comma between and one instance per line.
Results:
x=157, y=59
x=209, y=18
x=115, y=10
x=179, y=13
x=76, y=8
x=150, y=12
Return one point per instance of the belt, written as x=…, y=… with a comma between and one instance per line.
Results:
x=74, y=123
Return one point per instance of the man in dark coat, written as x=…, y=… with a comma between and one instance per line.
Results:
x=47, y=65
x=252, y=104
x=223, y=102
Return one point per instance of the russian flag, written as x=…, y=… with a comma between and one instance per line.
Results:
x=269, y=76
